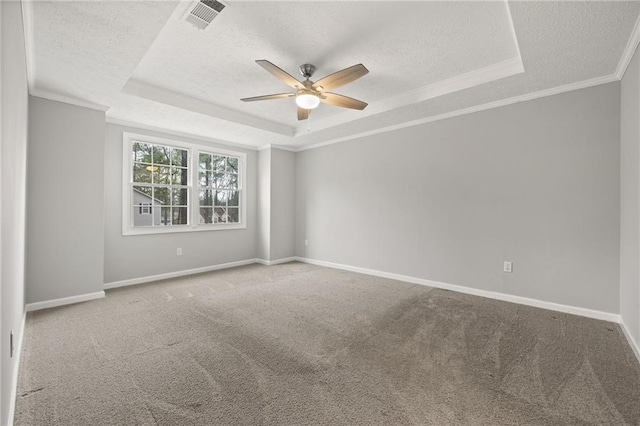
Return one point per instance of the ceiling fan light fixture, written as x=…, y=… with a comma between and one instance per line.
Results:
x=307, y=100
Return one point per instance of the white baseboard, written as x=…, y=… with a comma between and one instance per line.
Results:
x=64, y=301
x=634, y=345
x=14, y=374
x=176, y=274
x=590, y=313
x=277, y=261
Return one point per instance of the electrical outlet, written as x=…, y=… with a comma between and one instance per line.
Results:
x=11, y=344
x=508, y=267
x=306, y=243
x=179, y=251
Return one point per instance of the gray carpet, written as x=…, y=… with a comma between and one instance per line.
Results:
x=298, y=344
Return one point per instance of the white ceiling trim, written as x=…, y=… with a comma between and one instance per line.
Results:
x=513, y=28
x=178, y=133
x=27, y=28
x=67, y=99
x=281, y=147
x=179, y=100
x=467, y=80
x=629, y=50
x=490, y=105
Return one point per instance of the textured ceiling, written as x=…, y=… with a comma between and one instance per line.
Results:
x=143, y=61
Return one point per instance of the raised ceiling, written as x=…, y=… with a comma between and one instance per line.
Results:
x=427, y=60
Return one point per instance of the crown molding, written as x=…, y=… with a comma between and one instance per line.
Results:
x=284, y=148
x=512, y=27
x=490, y=105
x=67, y=99
x=169, y=97
x=142, y=126
x=629, y=50
x=280, y=147
x=27, y=29
x=483, y=107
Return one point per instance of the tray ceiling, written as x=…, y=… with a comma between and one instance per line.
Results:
x=148, y=65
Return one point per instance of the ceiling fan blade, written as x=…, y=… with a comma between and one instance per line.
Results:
x=303, y=114
x=340, y=78
x=267, y=97
x=279, y=73
x=342, y=101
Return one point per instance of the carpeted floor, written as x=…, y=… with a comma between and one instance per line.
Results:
x=298, y=344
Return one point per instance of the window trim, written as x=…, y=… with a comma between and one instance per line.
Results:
x=193, y=150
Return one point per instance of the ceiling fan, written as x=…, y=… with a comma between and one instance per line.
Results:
x=309, y=94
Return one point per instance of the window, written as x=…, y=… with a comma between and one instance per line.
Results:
x=171, y=186
x=218, y=188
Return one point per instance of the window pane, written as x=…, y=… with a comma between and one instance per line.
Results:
x=179, y=197
x=233, y=215
x=179, y=216
x=165, y=216
x=233, y=198
x=141, y=173
x=220, y=198
x=219, y=163
x=142, y=206
x=162, y=175
x=161, y=154
x=142, y=194
x=141, y=152
x=206, y=197
x=179, y=176
x=179, y=157
x=226, y=181
x=162, y=196
x=232, y=181
x=205, y=161
x=139, y=217
x=206, y=215
x=232, y=164
x=206, y=178
x=219, y=215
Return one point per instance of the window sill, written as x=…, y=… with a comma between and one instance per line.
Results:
x=181, y=229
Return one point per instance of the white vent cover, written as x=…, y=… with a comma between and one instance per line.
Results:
x=203, y=12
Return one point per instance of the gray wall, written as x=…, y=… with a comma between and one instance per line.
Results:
x=629, y=203
x=282, y=209
x=65, y=200
x=13, y=156
x=535, y=183
x=135, y=256
x=264, y=204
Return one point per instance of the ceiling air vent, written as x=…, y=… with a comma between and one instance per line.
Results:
x=203, y=12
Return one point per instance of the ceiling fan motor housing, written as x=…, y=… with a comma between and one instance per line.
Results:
x=307, y=70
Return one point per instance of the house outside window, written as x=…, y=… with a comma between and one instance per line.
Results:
x=173, y=186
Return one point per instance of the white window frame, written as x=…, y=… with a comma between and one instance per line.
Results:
x=192, y=187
